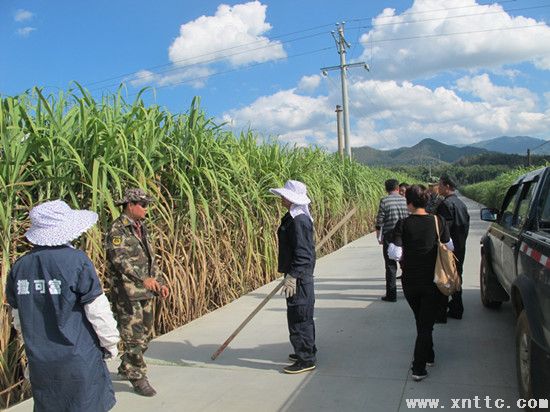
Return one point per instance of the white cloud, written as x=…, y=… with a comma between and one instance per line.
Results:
x=491, y=39
x=292, y=117
x=234, y=36
x=25, y=31
x=309, y=83
x=482, y=87
x=390, y=114
x=195, y=77
x=23, y=15
x=143, y=77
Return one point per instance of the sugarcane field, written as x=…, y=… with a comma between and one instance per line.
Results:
x=275, y=206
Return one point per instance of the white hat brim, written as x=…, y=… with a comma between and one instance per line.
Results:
x=291, y=196
x=75, y=224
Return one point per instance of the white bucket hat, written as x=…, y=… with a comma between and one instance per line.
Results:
x=294, y=191
x=54, y=223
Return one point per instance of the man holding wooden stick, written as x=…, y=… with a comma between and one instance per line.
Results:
x=297, y=262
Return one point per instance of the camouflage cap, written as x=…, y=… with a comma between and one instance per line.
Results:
x=134, y=195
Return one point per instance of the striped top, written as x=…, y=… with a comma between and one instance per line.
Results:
x=392, y=208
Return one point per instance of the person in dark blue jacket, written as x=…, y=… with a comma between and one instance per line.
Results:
x=66, y=321
x=297, y=262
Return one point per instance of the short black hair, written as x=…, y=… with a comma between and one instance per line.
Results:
x=403, y=184
x=417, y=196
x=391, y=185
x=448, y=181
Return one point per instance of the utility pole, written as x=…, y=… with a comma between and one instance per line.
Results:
x=339, y=130
x=342, y=45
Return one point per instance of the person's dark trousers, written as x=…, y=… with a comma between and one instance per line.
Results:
x=424, y=301
x=301, y=326
x=391, y=273
x=453, y=307
x=456, y=307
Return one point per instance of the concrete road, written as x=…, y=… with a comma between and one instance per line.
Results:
x=365, y=349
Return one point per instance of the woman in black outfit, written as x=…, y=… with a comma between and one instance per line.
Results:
x=415, y=245
x=297, y=262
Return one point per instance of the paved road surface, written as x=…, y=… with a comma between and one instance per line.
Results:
x=365, y=349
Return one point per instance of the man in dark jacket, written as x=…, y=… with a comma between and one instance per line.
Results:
x=297, y=262
x=393, y=207
x=136, y=280
x=455, y=213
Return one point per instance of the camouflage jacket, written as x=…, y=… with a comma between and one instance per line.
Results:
x=130, y=260
x=433, y=203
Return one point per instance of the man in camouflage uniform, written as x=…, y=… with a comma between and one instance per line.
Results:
x=135, y=280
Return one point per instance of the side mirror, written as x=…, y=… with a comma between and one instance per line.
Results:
x=488, y=214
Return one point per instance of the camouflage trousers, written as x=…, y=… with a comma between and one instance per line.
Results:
x=135, y=322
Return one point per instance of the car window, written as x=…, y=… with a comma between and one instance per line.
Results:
x=509, y=206
x=545, y=206
x=524, y=200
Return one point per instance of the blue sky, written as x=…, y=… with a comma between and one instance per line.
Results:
x=458, y=71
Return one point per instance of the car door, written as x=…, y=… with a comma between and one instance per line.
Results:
x=498, y=231
x=513, y=227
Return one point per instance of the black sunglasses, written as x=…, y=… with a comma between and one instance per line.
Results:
x=142, y=204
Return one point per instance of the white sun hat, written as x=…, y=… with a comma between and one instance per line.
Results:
x=54, y=223
x=294, y=191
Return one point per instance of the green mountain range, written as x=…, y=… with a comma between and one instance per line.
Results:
x=427, y=151
x=432, y=152
x=515, y=145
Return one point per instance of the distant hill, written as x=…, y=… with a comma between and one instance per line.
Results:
x=513, y=145
x=427, y=151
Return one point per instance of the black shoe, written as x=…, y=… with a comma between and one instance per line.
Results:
x=454, y=315
x=143, y=387
x=387, y=299
x=418, y=376
x=299, y=367
x=293, y=357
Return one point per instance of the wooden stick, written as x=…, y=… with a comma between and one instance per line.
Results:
x=335, y=228
x=248, y=319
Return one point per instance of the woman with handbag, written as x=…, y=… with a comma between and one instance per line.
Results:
x=415, y=245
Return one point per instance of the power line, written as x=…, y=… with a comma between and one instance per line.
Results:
x=412, y=13
x=282, y=58
x=204, y=62
x=220, y=58
x=198, y=78
x=455, y=17
x=457, y=33
x=222, y=51
x=540, y=145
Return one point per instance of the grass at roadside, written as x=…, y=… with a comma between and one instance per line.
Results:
x=491, y=193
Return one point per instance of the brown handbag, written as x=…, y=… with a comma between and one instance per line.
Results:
x=446, y=275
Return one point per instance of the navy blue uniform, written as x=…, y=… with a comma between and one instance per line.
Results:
x=297, y=258
x=49, y=286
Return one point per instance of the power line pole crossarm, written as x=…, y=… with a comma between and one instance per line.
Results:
x=342, y=45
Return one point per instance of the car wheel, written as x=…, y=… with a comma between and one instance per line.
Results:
x=523, y=356
x=484, y=285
